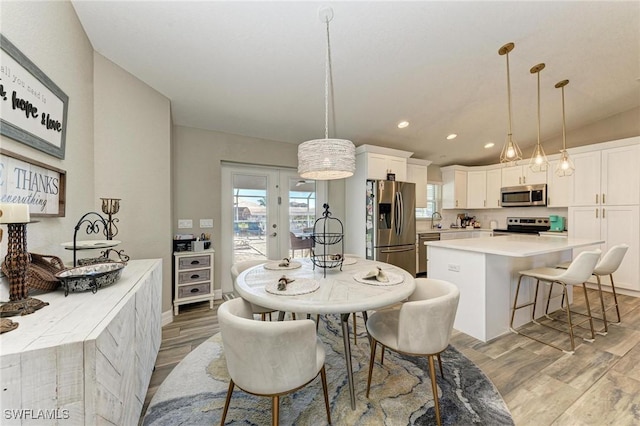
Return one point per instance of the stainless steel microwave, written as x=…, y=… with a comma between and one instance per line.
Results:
x=524, y=195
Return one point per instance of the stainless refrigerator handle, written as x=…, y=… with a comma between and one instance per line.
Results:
x=396, y=214
x=401, y=213
x=397, y=250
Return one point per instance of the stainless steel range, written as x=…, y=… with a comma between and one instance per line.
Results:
x=524, y=225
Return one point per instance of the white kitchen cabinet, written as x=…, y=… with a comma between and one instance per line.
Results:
x=417, y=173
x=522, y=175
x=483, y=188
x=607, y=177
x=494, y=183
x=454, y=188
x=378, y=165
x=481, y=234
x=615, y=225
x=558, y=188
x=476, y=189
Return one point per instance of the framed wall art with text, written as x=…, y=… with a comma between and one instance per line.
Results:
x=25, y=181
x=33, y=110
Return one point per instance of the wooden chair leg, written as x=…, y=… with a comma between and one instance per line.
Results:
x=263, y=316
x=374, y=343
x=434, y=387
x=440, y=364
x=323, y=376
x=355, y=330
x=226, y=402
x=275, y=414
x=615, y=297
x=382, y=355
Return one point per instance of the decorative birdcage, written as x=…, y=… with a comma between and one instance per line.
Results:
x=328, y=237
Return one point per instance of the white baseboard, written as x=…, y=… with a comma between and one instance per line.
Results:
x=217, y=294
x=167, y=317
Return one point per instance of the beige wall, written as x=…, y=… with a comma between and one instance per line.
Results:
x=619, y=126
x=51, y=36
x=129, y=135
x=132, y=138
x=196, y=160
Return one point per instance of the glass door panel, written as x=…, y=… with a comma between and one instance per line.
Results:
x=302, y=215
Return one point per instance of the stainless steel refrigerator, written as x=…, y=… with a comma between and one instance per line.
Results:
x=391, y=223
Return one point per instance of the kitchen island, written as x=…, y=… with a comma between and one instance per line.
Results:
x=486, y=272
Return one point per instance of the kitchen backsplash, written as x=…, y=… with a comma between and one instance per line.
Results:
x=485, y=216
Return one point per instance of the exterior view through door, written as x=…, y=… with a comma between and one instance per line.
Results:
x=267, y=213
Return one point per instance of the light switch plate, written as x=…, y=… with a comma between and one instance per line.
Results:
x=206, y=223
x=185, y=223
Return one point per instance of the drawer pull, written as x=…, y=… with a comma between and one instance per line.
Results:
x=195, y=262
x=195, y=290
x=195, y=276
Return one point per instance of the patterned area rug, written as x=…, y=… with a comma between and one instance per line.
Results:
x=194, y=392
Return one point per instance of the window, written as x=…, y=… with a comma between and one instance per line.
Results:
x=434, y=201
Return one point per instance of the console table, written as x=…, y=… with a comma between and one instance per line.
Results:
x=86, y=358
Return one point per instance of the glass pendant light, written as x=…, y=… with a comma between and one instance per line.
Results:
x=565, y=167
x=538, y=162
x=326, y=159
x=511, y=151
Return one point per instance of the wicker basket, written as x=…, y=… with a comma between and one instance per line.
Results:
x=42, y=271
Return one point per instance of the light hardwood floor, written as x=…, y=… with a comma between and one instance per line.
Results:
x=598, y=385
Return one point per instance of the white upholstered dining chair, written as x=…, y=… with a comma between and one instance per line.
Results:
x=421, y=326
x=237, y=269
x=269, y=358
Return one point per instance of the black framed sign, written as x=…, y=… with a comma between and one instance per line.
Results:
x=25, y=181
x=33, y=110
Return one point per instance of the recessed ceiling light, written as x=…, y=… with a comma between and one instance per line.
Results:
x=489, y=145
x=403, y=124
x=452, y=136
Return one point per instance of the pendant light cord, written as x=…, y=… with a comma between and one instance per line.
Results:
x=327, y=69
x=564, y=133
x=538, y=108
x=509, y=95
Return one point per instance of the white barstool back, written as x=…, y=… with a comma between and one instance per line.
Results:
x=580, y=269
x=611, y=260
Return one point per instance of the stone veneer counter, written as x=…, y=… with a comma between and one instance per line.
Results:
x=86, y=358
x=486, y=272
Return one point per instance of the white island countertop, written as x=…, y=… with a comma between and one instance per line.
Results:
x=515, y=245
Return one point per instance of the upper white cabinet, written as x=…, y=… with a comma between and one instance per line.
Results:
x=476, y=189
x=377, y=161
x=483, y=188
x=558, y=188
x=607, y=177
x=417, y=173
x=494, y=183
x=522, y=175
x=454, y=188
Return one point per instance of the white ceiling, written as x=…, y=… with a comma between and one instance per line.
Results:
x=257, y=68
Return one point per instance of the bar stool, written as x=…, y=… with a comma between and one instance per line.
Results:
x=609, y=263
x=578, y=273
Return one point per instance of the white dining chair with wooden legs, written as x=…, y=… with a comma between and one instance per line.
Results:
x=268, y=358
x=609, y=264
x=577, y=274
x=422, y=326
x=237, y=269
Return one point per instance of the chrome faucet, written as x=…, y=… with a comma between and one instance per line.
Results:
x=435, y=216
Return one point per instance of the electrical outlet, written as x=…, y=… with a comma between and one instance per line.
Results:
x=206, y=223
x=185, y=223
x=453, y=267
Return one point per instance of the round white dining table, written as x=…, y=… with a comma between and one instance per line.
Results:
x=336, y=292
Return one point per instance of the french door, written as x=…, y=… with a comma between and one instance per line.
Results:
x=266, y=212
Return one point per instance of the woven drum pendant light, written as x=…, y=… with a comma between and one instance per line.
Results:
x=511, y=151
x=538, y=162
x=326, y=159
x=565, y=167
